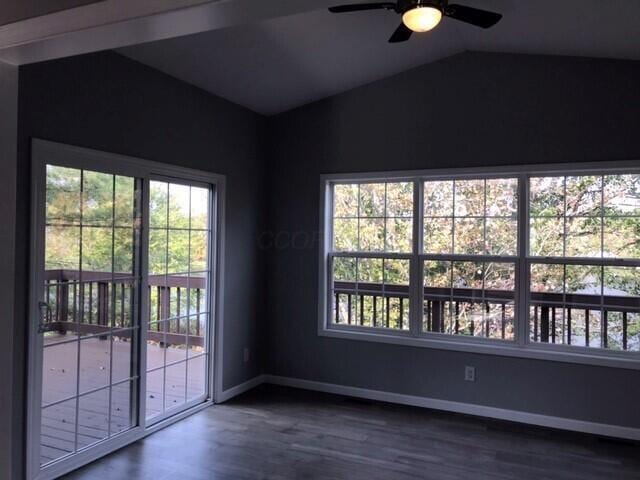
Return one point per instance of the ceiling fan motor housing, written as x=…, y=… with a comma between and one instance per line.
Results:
x=406, y=5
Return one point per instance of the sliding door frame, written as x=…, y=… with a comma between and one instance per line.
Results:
x=45, y=152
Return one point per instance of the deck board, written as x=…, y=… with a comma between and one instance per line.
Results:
x=60, y=381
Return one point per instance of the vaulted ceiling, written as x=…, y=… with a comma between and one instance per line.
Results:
x=285, y=62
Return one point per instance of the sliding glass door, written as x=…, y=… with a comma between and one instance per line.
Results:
x=88, y=309
x=122, y=304
x=177, y=346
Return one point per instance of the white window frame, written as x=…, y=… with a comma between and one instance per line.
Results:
x=521, y=346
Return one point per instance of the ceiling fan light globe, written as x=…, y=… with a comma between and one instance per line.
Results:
x=422, y=19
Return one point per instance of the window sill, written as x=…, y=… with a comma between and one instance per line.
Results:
x=555, y=353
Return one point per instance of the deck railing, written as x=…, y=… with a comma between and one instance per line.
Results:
x=553, y=316
x=95, y=302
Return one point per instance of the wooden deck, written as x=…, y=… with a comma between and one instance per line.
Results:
x=96, y=421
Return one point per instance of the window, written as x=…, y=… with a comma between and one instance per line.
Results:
x=585, y=289
x=470, y=246
x=372, y=245
x=527, y=261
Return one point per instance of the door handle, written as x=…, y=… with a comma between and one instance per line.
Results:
x=45, y=317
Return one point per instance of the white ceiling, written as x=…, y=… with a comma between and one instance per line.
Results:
x=282, y=63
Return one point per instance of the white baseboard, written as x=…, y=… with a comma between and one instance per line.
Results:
x=229, y=393
x=459, y=407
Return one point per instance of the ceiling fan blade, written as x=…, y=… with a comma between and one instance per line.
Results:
x=357, y=7
x=402, y=34
x=474, y=16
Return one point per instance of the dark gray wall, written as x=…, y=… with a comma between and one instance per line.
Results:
x=16, y=10
x=469, y=110
x=8, y=161
x=107, y=102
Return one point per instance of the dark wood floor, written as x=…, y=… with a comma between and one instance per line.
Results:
x=279, y=433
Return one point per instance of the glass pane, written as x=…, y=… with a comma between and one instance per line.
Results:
x=176, y=347
x=547, y=278
x=62, y=248
x=175, y=385
x=400, y=199
x=124, y=303
x=345, y=200
x=623, y=282
x=396, y=272
x=370, y=270
x=199, y=251
x=345, y=233
x=622, y=195
x=546, y=196
x=633, y=332
x=121, y=418
x=499, y=276
x=469, y=236
x=502, y=236
x=179, y=205
x=199, y=208
x=122, y=367
x=502, y=197
x=158, y=204
x=155, y=344
x=155, y=393
x=372, y=200
x=547, y=237
x=158, y=252
x=95, y=354
x=438, y=199
x=57, y=431
x=584, y=196
x=123, y=251
x=584, y=280
x=178, y=261
x=399, y=233
x=583, y=237
x=98, y=194
x=622, y=237
x=344, y=269
x=438, y=235
x=198, y=293
x=196, y=377
x=437, y=274
x=469, y=198
x=371, y=234
x=125, y=201
x=93, y=418
x=63, y=195
x=468, y=275
x=197, y=334
x=97, y=248
x=59, y=372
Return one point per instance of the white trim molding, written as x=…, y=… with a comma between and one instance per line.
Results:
x=560, y=423
x=241, y=388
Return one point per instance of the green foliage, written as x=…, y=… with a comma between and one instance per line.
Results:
x=103, y=206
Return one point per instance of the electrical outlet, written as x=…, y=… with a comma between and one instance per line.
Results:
x=246, y=355
x=470, y=374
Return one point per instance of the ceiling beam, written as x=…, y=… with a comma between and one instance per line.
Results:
x=119, y=23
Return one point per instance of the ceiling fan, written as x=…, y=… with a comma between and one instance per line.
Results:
x=424, y=15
